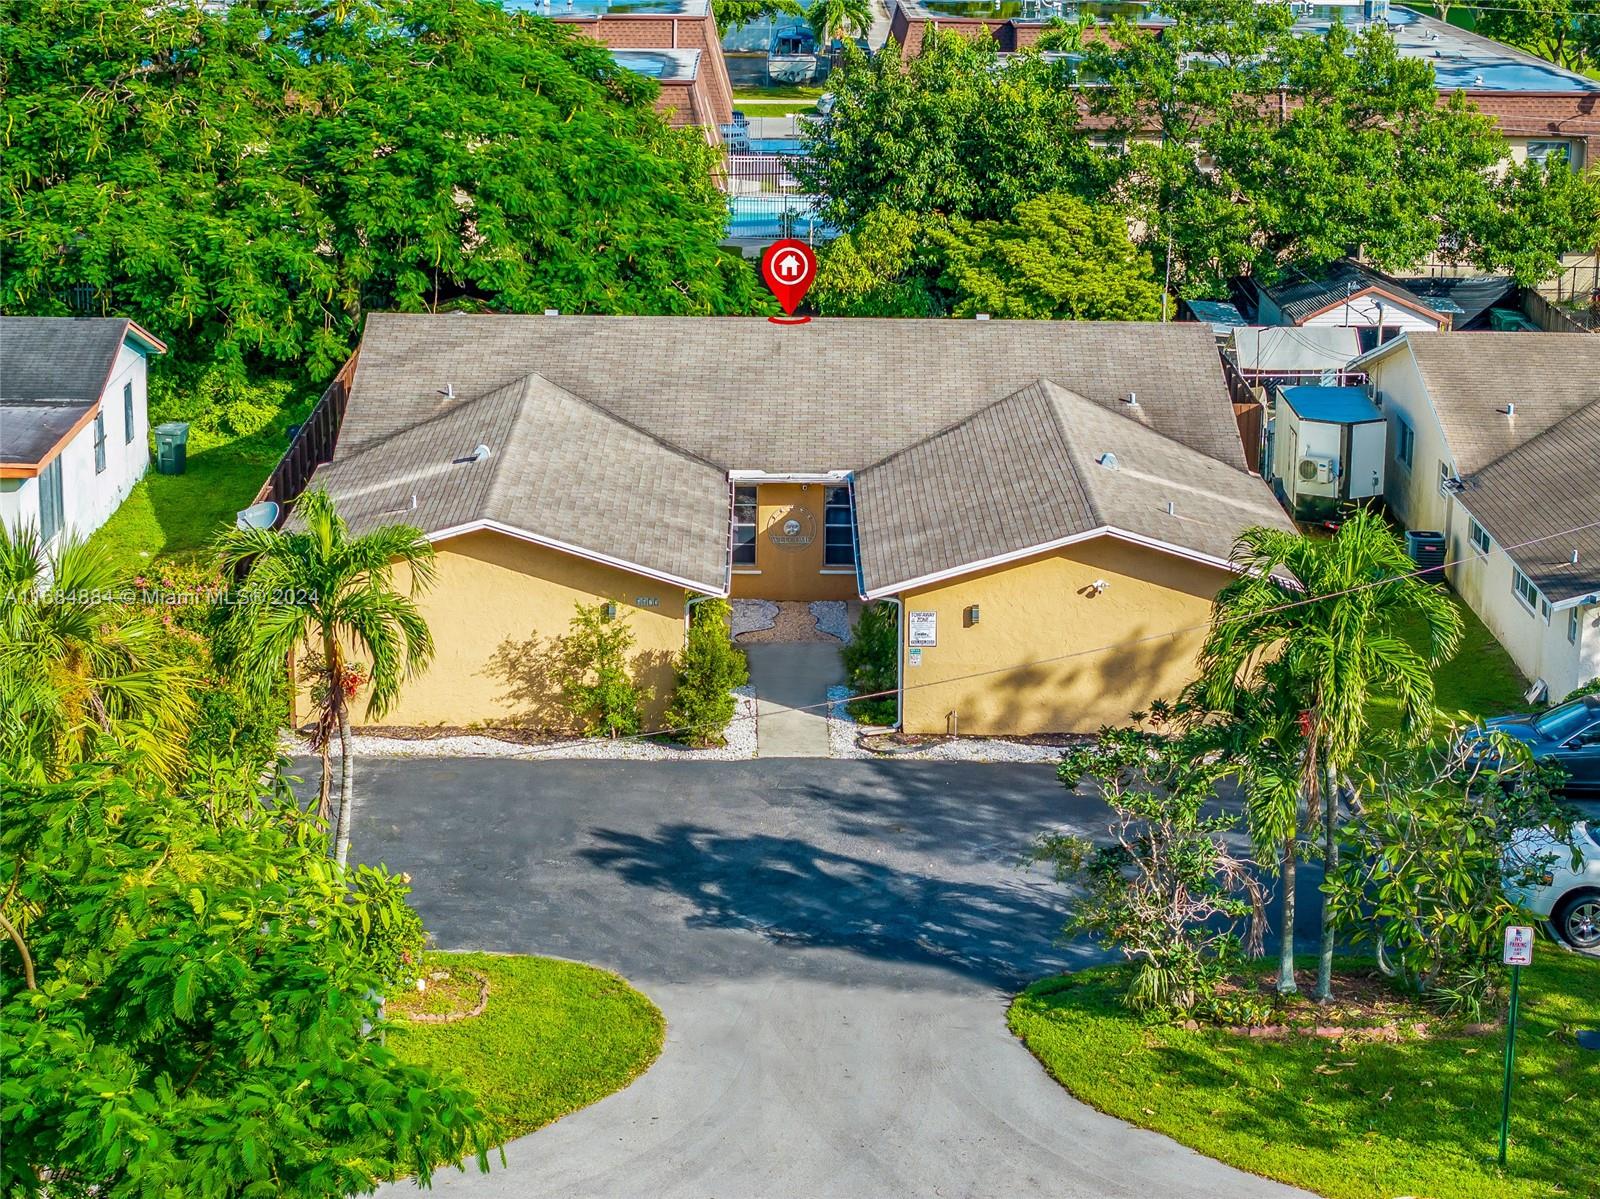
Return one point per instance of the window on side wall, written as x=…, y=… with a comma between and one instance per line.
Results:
x=1405, y=441
x=1525, y=590
x=1546, y=153
x=127, y=414
x=100, y=442
x=1480, y=537
x=51, y=509
x=1574, y=623
x=744, y=526
x=839, y=541
x=1445, y=479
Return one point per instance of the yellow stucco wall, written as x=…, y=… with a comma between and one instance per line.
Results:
x=495, y=607
x=785, y=570
x=1042, y=608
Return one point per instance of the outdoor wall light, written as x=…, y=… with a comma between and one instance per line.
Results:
x=972, y=615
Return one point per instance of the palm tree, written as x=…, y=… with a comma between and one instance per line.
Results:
x=78, y=665
x=831, y=19
x=317, y=586
x=1339, y=641
x=1263, y=737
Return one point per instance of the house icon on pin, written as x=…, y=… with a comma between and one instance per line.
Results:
x=790, y=266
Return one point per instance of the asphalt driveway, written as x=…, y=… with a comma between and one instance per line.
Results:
x=833, y=945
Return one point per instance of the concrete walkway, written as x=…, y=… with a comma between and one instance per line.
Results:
x=791, y=681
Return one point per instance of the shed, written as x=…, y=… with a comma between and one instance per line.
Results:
x=1328, y=448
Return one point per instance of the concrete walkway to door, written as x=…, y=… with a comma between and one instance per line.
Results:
x=791, y=680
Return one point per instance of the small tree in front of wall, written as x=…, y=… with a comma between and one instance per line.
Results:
x=596, y=687
x=871, y=664
x=708, y=670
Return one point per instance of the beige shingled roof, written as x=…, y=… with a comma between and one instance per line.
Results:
x=1042, y=467
x=613, y=436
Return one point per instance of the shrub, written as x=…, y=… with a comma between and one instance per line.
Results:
x=1592, y=687
x=1167, y=892
x=708, y=670
x=1425, y=863
x=872, y=662
x=596, y=689
x=221, y=402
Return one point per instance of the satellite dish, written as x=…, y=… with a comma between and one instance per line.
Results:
x=257, y=516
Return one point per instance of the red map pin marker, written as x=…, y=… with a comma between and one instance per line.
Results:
x=789, y=267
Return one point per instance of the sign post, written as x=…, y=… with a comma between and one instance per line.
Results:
x=1518, y=952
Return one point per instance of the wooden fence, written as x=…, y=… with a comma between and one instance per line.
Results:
x=1558, y=320
x=1249, y=413
x=312, y=445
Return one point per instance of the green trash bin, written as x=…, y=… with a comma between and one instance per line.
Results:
x=172, y=441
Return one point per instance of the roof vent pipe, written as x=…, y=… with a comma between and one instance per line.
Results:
x=1172, y=509
x=1573, y=561
x=1108, y=460
x=1510, y=409
x=1133, y=399
x=448, y=391
x=480, y=453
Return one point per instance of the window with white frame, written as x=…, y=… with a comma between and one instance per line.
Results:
x=1446, y=478
x=1405, y=441
x=127, y=413
x=839, y=540
x=1545, y=153
x=1525, y=590
x=100, y=442
x=1574, y=623
x=744, y=526
x=1479, y=536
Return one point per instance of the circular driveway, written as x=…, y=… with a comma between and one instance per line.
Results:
x=833, y=945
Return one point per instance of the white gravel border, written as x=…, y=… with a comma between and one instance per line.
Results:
x=842, y=742
x=833, y=618
x=740, y=747
x=753, y=615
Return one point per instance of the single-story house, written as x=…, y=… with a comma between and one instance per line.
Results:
x=1028, y=493
x=1350, y=295
x=74, y=423
x=1494, y=440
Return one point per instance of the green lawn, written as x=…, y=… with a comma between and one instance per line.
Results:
x=781, y=91
x=555, y=1037
x=175, y=516
x=753, y=109
x=1481, y=680
x=1347, y=1121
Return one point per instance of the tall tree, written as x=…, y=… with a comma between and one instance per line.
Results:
x=187, y=1001
x=318, y=587
x=78, y=666
x=1552, y=29
x=952, y=131
x=1056, y=258
x=248, y=179
x=830, y=19
x=1333, y=614
x=731, y=14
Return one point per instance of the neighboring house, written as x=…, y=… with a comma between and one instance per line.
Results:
x=1348, y=295
x=74, y=428
x=1494, y=440
x=1029, y=492
x=1285, y=355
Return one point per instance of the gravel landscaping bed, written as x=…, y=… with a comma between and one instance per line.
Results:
x=833, y=618
x=752, y=615
x=844, y=742
x=740, y=734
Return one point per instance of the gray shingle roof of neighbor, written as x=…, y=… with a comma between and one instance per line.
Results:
x=1302, y=295
x=1039, y=467
x=1536, y=471
x=52, y=371
x=614, y=435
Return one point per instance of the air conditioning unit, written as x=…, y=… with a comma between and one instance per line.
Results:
x=1317, y=469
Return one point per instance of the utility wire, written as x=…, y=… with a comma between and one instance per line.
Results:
x=553, y=747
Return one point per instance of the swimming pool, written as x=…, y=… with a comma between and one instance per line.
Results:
x=777, y=216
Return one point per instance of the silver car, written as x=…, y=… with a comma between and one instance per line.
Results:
x=1567, y=898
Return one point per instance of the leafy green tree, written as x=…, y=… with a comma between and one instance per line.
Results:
x=872, y=664
x=1330, y=617
x=317, y=587
x=78, y=665
x=1559, y=30
x=951, y=131
x=880, y=268
x=188, y=1002
x=1166, y=892
x=1056, y=258
x=842, y=19
x=731, y=14
x=248, y=179
x=1533, y=215
x=708, y=670
x=599, y=690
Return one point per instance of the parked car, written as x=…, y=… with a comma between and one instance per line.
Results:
x=1568, y=734
x=1565, y=897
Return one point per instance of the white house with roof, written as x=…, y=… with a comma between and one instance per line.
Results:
x=1494, y=440
x=74, y=421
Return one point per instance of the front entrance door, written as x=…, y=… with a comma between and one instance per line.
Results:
x=793, y=541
